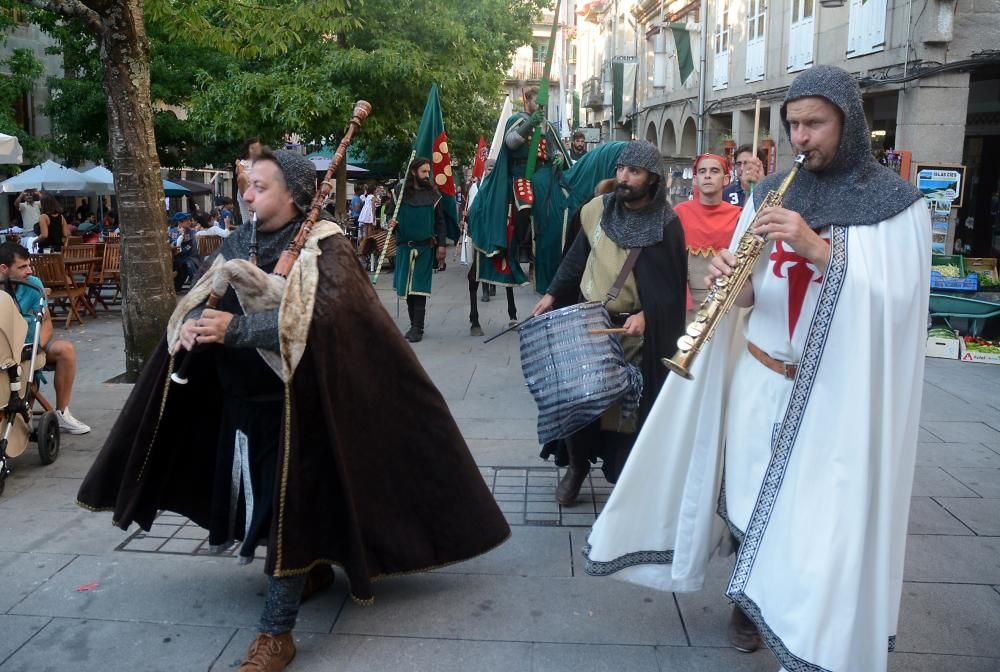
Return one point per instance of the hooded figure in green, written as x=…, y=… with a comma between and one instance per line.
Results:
x=557, y=196
x=510, y=208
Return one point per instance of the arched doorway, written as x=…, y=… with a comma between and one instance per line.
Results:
x=651, y=133
x=689, y=138
x=668, y=141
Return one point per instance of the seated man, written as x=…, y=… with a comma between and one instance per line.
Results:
x=59, y=354
x=184, y=248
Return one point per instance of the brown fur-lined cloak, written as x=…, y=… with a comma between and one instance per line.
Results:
x=373, y=474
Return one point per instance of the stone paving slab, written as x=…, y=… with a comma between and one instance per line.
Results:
x=984, y=481
x=928, y=516
x=323, y=653
x=16, y=631
x=952, y=559
x=908, y=662
x=703, y=659
x=962, y=431
x=102, y=646
x=79, y=532
x=981, y=515
x=593, y=658
x=936, y=482
x=186, y=590
x=529, y=609
x=530, y=551
x=950, y=455
x=949, y=618
x=21, y=574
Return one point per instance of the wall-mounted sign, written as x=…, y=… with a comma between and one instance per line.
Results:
x=941, y=182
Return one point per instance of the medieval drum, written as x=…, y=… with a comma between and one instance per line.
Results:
x=573, y=374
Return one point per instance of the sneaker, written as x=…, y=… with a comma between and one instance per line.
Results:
x=69, y=424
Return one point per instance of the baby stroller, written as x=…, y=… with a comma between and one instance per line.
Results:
x=16, y=415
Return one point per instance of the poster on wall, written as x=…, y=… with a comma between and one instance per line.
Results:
x=941, y=182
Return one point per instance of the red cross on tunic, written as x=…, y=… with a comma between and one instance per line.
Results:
x=800, y=272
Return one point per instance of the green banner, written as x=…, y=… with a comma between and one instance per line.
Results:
x=682, y=42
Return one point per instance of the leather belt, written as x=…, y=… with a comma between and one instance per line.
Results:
x=429, y=242
x=786, y=369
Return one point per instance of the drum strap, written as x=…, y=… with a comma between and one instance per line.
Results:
x=633, y=255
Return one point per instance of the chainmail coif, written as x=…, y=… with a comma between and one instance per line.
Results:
x=854, y=189
x=300, y=177
x=644, y=227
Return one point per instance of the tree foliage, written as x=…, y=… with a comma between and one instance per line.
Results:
x=390, y=59
x=21, y=69
x=224, y=70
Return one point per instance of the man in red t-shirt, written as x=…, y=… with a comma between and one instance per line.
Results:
x=708, y=222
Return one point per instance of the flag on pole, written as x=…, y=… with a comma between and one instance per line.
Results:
x=686, y=61
x=479, y=165
x=432, y=142
x=505, y=113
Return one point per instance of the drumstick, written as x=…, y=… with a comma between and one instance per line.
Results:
x=618, y=330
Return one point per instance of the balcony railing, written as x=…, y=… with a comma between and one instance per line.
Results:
x=533, y=70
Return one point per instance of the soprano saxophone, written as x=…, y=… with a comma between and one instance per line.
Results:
x=724, y=291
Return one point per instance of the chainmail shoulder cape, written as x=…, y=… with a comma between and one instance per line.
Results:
x=635, y=228
x=643, y=227
x=270, y=244
x=854, y=189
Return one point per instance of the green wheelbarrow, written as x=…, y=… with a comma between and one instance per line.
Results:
x=976, y=311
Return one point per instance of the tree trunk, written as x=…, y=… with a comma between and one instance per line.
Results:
x=146, y=268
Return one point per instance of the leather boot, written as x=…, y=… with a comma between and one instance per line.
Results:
x=576, y=473
x=417, y=332
x=269, y=653
x=409, y=311
x=743, y=634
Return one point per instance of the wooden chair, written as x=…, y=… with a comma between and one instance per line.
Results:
x=83, y=274
x=62, y=290
x=74, y=252
x=207, y=245
x=73, y=240
x=109, y=275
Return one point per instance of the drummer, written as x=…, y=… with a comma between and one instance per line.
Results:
x=650, y=306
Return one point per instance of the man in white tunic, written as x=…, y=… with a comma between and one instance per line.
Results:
x=799, y=431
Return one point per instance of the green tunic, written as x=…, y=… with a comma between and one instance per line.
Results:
x=415, y=249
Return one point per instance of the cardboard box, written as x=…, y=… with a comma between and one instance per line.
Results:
x=967, y=355
x=982, y=266
x=943, y=348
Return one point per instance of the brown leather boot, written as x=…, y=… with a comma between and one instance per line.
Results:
x=569, y=487
x=269, y=653
x=743, y=634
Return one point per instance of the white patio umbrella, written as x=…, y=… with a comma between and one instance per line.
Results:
x=50, y=176
x=10, y=149
x=101, y=180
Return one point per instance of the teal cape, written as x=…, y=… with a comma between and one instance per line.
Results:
x=558, y=195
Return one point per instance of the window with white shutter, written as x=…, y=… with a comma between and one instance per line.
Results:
x=800, y=39
x=866, y=27
x=720, y=46
x=756, y=19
